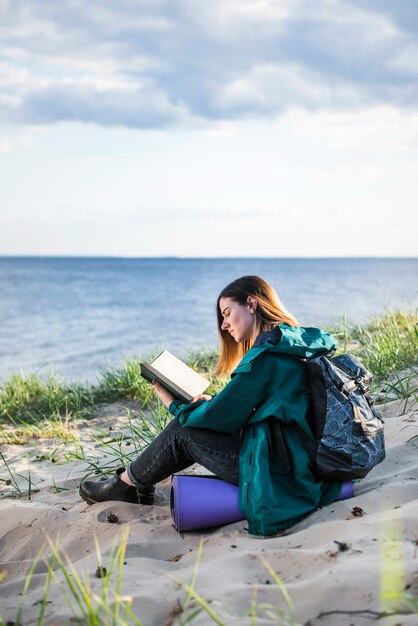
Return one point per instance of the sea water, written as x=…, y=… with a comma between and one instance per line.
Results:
x=77, y=315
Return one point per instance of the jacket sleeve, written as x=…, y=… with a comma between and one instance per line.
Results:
x=230, y=410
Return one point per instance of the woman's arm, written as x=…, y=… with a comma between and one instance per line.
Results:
x=230, y=410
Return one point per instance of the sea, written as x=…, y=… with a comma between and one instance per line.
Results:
x=77, y=316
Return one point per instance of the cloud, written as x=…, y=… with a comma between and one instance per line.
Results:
x=406, y=60
x=402, y=14
x=152, y=64
x=271, y=89
x=5, y=146
x=226, y=20
x=383, y=128
x=131, y=107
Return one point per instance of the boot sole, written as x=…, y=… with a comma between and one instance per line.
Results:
x=147, y=500
x=87, y=499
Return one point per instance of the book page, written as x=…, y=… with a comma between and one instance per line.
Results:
x=180, y=373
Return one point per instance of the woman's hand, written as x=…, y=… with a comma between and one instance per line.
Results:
x=165, y=396
x=203, y=396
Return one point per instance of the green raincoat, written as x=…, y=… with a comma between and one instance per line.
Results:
x=266, y=395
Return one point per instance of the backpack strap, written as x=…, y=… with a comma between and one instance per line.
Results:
x=310, y=445
x=278, y=447
x=359, y=381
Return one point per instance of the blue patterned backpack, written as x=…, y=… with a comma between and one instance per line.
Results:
x=348, y=431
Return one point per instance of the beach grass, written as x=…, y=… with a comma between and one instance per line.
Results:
x=30, y=399
x=119, y=447
x=106, y=606
x=387, y=345
x=125, y=382
x=59, y=428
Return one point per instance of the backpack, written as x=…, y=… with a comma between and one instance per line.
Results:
x=348, y=431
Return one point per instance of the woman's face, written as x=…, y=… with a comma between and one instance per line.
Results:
x=239, y=319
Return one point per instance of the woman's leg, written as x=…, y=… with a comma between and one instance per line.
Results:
x=178, y=447
x=173, y=450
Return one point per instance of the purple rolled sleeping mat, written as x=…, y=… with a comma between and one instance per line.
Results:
x=207, y=501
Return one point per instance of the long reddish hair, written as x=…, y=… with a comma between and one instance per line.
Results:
x=270, y=312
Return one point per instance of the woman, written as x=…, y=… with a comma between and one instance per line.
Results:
x=247, y=433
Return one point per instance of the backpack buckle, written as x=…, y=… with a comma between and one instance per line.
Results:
x=349, y=386
x=364, y=388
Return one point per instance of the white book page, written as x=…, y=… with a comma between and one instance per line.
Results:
x=180, y=373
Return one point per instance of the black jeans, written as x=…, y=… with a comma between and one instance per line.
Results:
x=178, y=447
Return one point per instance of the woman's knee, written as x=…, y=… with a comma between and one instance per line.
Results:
x=173, y=427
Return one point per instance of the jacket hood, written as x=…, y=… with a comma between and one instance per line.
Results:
x=299, y=341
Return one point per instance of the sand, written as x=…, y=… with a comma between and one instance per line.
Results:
x=330, y=584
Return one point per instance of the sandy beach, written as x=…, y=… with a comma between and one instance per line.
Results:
x=344, y=564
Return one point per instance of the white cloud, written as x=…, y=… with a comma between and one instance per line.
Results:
x=102, y=84
x=406, y=60
x=221, y=19
x=217, y=60
x=271, y=88
x=383, y=128
x=5, y=146
x=111, y=20
x=11, y=77
x=344, y=22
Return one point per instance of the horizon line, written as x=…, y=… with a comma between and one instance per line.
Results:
x=190, y=258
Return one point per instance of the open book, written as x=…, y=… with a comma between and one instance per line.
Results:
x=177, y=377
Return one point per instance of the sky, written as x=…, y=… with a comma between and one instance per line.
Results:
x=209, y=128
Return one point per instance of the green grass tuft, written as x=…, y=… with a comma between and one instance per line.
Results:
x=125, y=382
x=105, y=606
x=30, y=399
x=388, y=344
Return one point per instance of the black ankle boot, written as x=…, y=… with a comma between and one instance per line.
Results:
x=108, y=489
x=146, y=495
